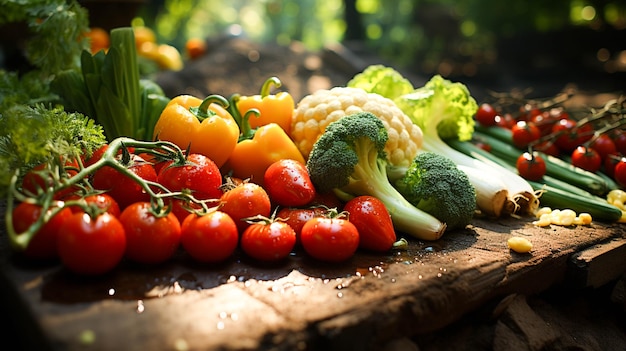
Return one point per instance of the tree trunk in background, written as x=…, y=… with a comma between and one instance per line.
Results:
x=355, y=30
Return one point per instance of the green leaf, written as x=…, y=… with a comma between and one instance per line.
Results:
x=71, y=87
x=152, y=107
x=114, y=115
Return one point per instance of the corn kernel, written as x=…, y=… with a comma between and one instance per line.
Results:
x=566, y=217
x=555, y=216
x=544, y=220
x=585, y=218
x=566, y=221
x=617, y=197
x=519, y=244
x=542, y=211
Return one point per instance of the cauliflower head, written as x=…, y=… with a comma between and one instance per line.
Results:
x=317, y=110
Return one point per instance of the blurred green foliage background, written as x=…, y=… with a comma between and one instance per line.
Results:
x=447, y=37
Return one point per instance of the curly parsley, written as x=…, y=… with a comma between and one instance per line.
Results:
x=30, y=135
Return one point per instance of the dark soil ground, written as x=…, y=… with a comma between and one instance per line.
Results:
x=559, y=319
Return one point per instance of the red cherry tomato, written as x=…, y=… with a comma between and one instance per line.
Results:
x=103, y=201
x=330, y=239
x=523, y=133
x=604, y=145
x=43, y=245
x=486, y=115
x=209, y=238
x=287, y=182
x=150, y=239
x=91, y=246
x=244, y=201
x=506, y=121
x=198, y=174
x=157, y=162
x=297, y=217
x=545, y=120
x=619, y=139
x=531, y=166
x=586, y=158
x=182, y=208
x=371, y=218
x=620, y=172
x=96, y=155
x=527, y=112
x=570, y=135
x=268, y=242
x=547, y=147
x=559, y=113
x=121, y=187
x=38, y=179
x=328, y=199
x=610, y=162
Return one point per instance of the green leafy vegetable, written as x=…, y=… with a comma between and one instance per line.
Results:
x=153, y=102
x=382, y=80
x=110, y=90
x=31, y=135
x=28, y=89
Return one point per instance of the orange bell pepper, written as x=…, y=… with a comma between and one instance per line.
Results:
x=258, y=148
x=203, y=126
x=272, y=108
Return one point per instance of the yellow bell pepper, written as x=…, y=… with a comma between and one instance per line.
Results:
x=203, y=126
x=258, y=148
x=272, y=108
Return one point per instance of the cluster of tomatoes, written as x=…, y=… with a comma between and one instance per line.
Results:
x=554, y=132
x=212, y=216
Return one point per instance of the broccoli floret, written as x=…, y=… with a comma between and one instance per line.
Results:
x=349, y=158
x=433, y=183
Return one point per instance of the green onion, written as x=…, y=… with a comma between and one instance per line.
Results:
x=111, y=91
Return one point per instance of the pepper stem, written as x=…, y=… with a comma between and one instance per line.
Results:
x=203, y=111
x=265, y=89
x=246, y=132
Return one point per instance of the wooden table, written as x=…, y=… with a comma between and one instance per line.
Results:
x=301, y=304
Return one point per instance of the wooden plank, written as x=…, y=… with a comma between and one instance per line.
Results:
x=599, y=264
x=300, y=303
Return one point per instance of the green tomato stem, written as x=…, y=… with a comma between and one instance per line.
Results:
x=50, y=207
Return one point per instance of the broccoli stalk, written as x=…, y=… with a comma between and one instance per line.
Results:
x=349, y=158
x=434, y=184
